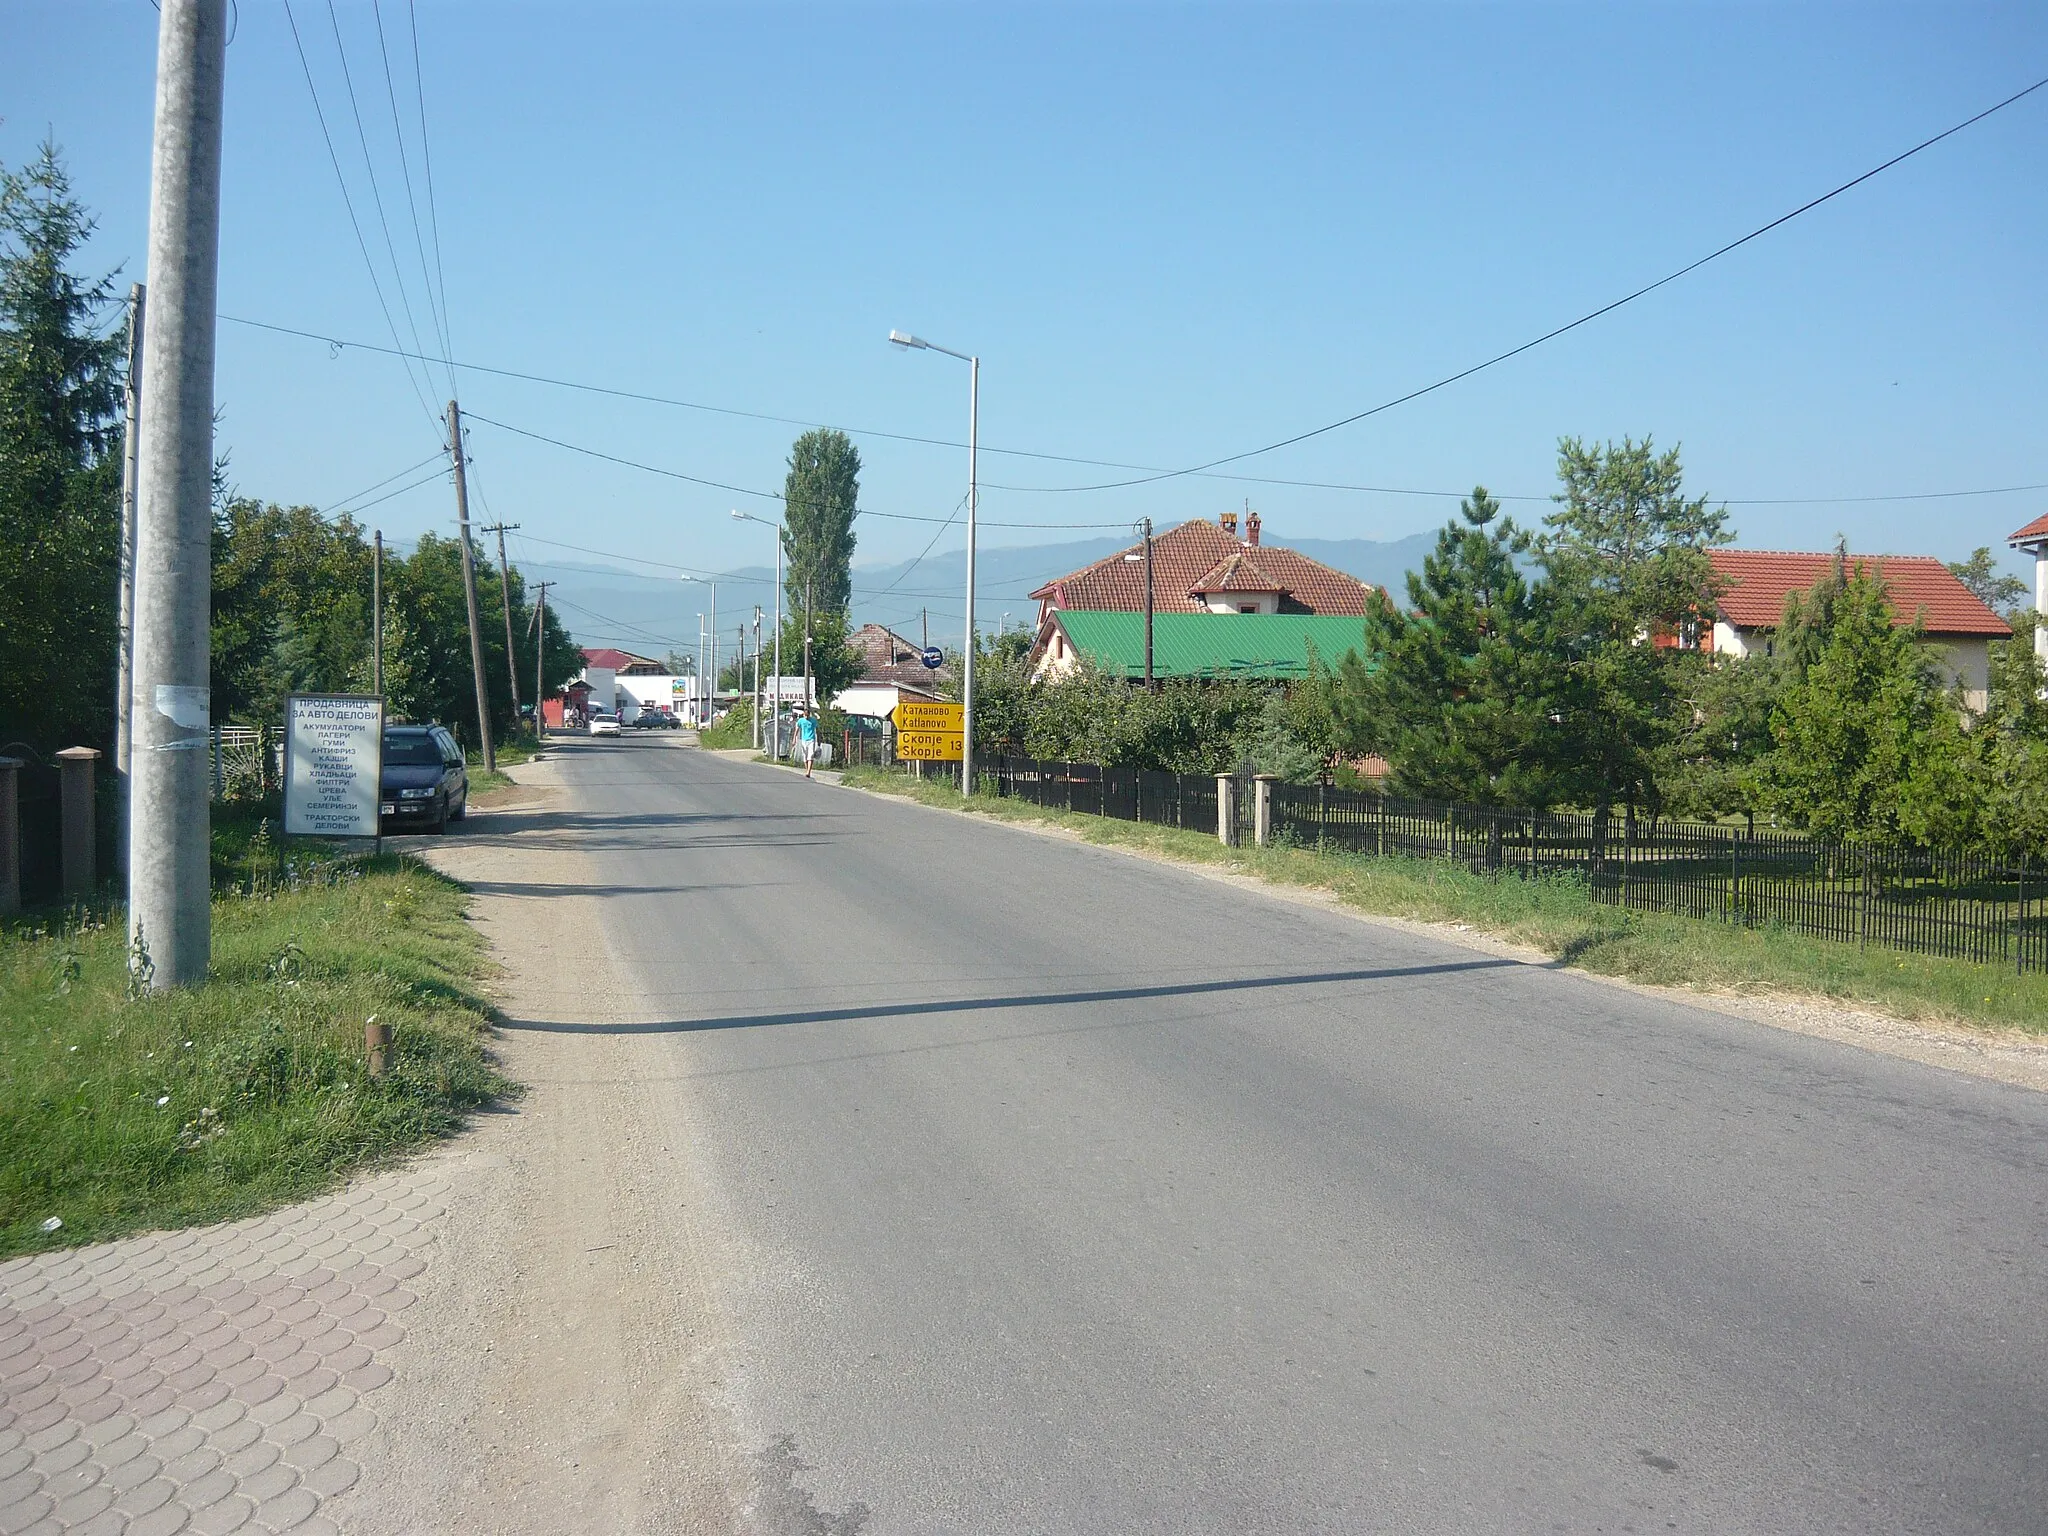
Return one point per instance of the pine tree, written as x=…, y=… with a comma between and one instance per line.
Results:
x=60, y=470
x=1452, y=691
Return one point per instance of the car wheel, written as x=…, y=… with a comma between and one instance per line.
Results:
x=461, y=809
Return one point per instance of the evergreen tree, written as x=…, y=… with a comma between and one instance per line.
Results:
x=1629, y=583
x=820, y=496
x=60, y=472
x=1867, y=743
x=1452, y=691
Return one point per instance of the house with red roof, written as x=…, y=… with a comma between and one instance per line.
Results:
x=2033, y=539
x=1199, y=567
x=893, y=671
x=1958, y=628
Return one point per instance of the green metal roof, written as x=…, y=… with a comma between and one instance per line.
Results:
x=1212, y=644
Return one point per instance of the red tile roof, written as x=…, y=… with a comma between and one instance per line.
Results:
x=1758, y=581
x=2037, y=529
x=1236, y=573
x=892, y=659
x=618, y=661
x=1184, y=558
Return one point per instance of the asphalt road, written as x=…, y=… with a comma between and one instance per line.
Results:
x=1069, y=1192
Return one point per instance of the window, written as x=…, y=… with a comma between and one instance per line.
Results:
x=1247, y=607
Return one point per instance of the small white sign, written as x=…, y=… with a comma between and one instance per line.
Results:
x=333, y=762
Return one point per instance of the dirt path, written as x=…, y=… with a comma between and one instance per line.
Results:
x=562, y=1365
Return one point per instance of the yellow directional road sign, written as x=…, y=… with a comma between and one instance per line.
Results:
x=912, y=715
x=928, y=746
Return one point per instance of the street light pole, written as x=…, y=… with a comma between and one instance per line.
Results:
x=775, y=709
x=973, y=496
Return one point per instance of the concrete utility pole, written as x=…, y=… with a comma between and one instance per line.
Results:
x=377, y=617
x=168, y=860
x=757, y=677
x=540, y=653
x=476, y=634
x=807, y=645
x=505, y=592
x=124, y=681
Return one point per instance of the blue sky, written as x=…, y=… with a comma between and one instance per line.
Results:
x=1172, y=232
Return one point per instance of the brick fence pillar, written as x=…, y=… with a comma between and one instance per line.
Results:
x=80, y=852
x=10, y=835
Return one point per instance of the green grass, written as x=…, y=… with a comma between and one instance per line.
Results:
x=735, y=730
x=120, y=1115
x=1559, y=917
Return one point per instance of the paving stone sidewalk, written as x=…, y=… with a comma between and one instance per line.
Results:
x=208, y=1380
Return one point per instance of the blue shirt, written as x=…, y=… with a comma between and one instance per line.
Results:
x=806, y=729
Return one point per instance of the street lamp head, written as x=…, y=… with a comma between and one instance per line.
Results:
x=904, y=339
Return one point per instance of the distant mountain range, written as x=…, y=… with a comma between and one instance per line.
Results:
x=611, y=605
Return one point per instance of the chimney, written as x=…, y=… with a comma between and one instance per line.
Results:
x=1251, y=529
x=1229, y=522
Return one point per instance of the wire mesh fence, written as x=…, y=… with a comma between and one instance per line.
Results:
x=1917, y=900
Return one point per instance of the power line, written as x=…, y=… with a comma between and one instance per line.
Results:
x=1313, y=485
x=411, y=205
x=951, y=518
x=432, y=458
x=1572, y=325
x=370, y=171
x=741, y=490
x=354, y=223
x=433, y=210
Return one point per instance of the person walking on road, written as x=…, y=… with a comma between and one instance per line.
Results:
x=807, y=740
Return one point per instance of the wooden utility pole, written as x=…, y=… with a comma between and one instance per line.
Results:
x=540, y=652
x=505, y=591
x=476, y=635
x=1149, y=685
x=377, y=617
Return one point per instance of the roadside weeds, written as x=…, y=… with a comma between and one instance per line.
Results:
x=121, y=1114
x=1772, y=976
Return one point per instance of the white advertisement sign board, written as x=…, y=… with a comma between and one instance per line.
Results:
x=333, y=760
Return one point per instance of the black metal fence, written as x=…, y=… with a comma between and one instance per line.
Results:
x=1919, y=900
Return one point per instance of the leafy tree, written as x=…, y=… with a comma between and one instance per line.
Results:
x=1629, y=579
x=820, y=496
x=425, y=592
x=1452, y=692
x=1867, y=743
x=2009, y=742
x=60, y=470
x=1709, y=767
x=291, y=606
x=1994, y=588
x=835, y=663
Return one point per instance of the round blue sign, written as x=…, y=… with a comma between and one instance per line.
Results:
x=933, y=657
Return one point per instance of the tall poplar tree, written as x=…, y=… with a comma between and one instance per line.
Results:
x=821, y=494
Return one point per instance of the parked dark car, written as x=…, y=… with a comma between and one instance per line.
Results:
x=425, y=785
x=657, y=719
